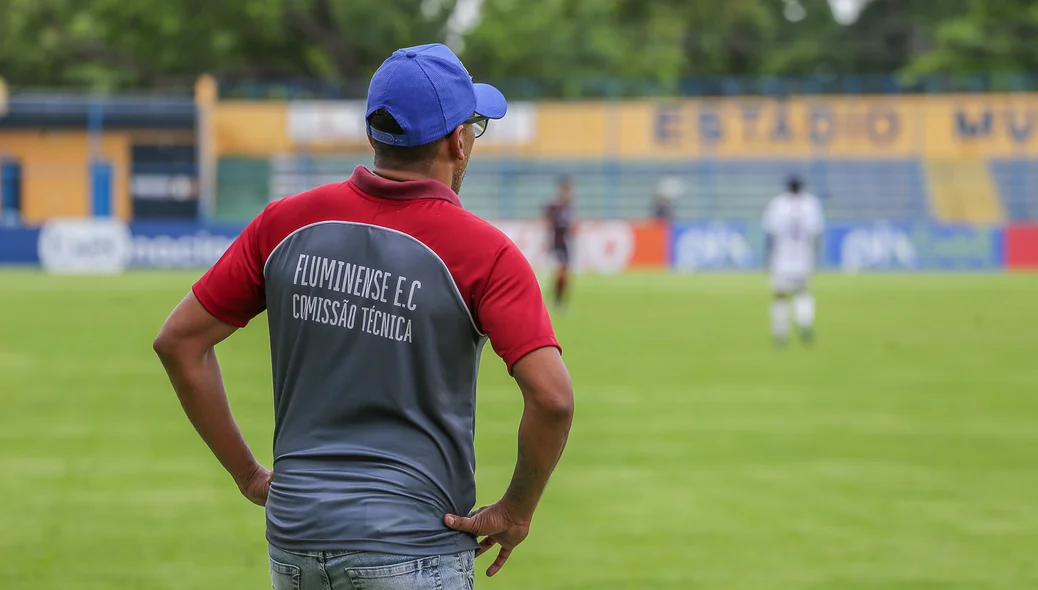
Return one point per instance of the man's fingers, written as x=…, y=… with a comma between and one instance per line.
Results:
x=459, y=523
x=478, y=510
x=485, y=546
x=499, y=563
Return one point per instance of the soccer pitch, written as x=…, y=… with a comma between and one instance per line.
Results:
x=898, y=453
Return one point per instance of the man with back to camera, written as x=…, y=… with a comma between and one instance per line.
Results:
x=560, y=226
x=793, y=223
x=380, y=293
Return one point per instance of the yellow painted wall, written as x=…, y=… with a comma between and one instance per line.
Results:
x=55, y=172
x=932, y=126
x=836, y=127
x=245, y=128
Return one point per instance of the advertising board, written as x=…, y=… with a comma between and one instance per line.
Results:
x=715, y=246
x=1022, y=247
x=603, y=247
x=84, y=246
x=922, y=246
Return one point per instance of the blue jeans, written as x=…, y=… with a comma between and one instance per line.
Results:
x=356, y=570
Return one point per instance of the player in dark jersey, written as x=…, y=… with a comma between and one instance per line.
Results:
x=560, y=220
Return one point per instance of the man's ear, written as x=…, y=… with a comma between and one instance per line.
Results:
x=456, y=143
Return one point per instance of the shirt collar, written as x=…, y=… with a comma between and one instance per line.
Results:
x=368, y=183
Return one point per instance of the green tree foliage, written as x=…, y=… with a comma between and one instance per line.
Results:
x=543, y=48
x=114, y=43
x=566, y=44
x=986, y=36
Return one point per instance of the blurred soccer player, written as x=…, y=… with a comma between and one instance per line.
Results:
x=380, y=293
x=793, y=223
x=560, y=221
x=668, y=191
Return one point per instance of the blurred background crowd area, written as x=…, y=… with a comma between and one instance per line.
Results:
x=905, y=111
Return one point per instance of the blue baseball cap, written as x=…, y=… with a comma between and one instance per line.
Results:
x=429, y=93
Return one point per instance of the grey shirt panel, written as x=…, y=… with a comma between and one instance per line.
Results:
x=374, y=358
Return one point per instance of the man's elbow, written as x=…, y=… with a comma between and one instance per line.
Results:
x=563, y=408
x=163, y=346
x=556, y=405
x=546, y=385
x=166, y=345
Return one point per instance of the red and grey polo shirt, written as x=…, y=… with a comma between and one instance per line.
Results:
x=379, y=298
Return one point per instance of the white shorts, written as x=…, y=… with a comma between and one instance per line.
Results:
x=789, y=282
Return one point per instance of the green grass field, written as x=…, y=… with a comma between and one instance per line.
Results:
x=900, y=453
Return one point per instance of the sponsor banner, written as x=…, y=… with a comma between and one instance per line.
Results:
x=600, y=246
x=1022, y=246
x=652, y=241
x=89, y=246
x=713, y=246
x=913, y=246
x=102, y=246
x=109, y=246
x=179, y=245
x=604, y=247
x=18, y=245
x=316, y=122
x=84, y=246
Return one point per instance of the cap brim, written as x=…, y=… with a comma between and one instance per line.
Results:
x=490, y=102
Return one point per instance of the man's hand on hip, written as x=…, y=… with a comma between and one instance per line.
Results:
x=256, y=485
x=497, y=527
x=543, y=431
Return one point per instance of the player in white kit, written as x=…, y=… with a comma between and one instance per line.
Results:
x=793, y=224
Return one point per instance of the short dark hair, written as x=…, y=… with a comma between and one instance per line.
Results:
x=794, y=184
x=396, y=156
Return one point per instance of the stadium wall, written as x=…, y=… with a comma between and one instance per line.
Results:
x=956, y=158
x=953, y=176
x=601, y=246
x=55, y=171
x=69, y=154
x=931, y=126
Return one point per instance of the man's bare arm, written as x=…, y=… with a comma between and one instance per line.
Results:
x=544, y=429
x=185, y=345
x=547, y=416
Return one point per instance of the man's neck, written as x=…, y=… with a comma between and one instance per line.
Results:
x=407, y=175
x=398, y=175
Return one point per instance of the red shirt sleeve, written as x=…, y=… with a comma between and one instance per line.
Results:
x=511, y=311
x=233, y=290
